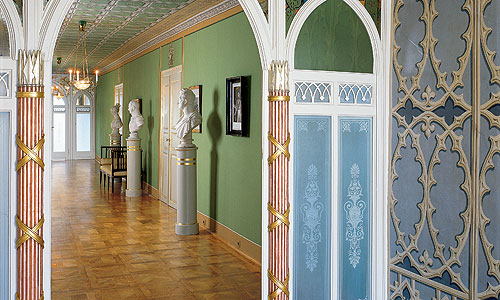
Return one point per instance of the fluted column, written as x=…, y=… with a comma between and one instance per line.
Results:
x=278, y=206
x=30, y=166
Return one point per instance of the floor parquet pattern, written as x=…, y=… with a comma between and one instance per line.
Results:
x=108, y=247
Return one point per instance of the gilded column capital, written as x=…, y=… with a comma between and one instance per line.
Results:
x=30, y=67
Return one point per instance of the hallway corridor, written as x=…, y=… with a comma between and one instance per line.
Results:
x=107, y=247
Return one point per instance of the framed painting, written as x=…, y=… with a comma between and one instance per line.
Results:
x=236, y=106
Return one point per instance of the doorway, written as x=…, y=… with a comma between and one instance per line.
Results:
x=73, y=126
x=171, y=83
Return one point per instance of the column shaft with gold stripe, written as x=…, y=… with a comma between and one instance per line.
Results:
x=30, y=166
x=278, y=160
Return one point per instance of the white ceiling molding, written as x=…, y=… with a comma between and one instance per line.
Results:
x=205, y=15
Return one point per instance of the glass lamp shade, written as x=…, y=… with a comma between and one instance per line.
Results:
x=82, y=84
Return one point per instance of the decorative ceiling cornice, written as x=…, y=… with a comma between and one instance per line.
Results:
x=161, y=32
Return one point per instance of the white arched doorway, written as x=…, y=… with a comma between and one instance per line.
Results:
x=73, y=125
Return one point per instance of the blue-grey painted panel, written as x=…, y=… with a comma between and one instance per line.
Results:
x=312, y=208
x=308, y=92
x=355, y=202
x=355, y=93
x=4, y=203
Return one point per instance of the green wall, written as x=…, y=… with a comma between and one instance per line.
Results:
x=333, y=38
x=104, y=101
x=142, y=80
x=229, y=168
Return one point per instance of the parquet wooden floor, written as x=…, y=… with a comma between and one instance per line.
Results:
x=107, y=247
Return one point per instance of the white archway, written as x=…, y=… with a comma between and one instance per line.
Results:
x=14, y=27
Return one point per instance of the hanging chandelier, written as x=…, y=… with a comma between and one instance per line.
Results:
x=83, y=81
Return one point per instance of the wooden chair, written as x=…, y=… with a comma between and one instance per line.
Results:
x=117, y=168
x=106, y=158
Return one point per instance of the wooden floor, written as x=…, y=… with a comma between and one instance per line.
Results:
x=109, y=247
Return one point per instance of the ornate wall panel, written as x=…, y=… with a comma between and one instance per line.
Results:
x=312, y=205
x=444, y=203
x=355, y=197
x=316, y=92
x=355, y=93
x=4, y=203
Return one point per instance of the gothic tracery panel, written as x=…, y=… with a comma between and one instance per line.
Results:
x=446, y=138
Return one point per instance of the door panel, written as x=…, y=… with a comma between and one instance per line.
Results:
x=165, y=139
x=170, y=87
x=445, y=141
x=332, y=178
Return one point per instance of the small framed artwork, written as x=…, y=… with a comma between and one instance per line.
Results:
x=197, y=90
x=236, y=104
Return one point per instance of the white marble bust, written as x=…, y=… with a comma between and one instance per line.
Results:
x=136, y=120
x=190, y=118
x=117, y=123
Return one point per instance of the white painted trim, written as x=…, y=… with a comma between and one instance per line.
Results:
x=332, y=76
x=265, y=187
x=171, y=71
x=47, y=183
x=261, y=31
x=14, y=26
x=53, y=17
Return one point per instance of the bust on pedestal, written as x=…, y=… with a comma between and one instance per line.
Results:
x=134, y=188
x=115, y=138
x=186, y=165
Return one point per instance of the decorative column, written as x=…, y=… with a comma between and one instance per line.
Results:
x=134, y=151
x=278, y=206
x=187, y=223
x=30, y=166
x=134, y=188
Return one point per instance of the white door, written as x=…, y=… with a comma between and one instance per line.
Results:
x=171, y=83
x=59, y=128
x=82, y=131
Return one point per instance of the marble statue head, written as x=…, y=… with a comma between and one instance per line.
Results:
x=136, y=119
x=186, y=99
x=133, y=108
x=115, y=109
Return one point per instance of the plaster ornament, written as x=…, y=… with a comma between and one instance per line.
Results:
x=117, y=123
x=136, y=121
x=190, y=118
